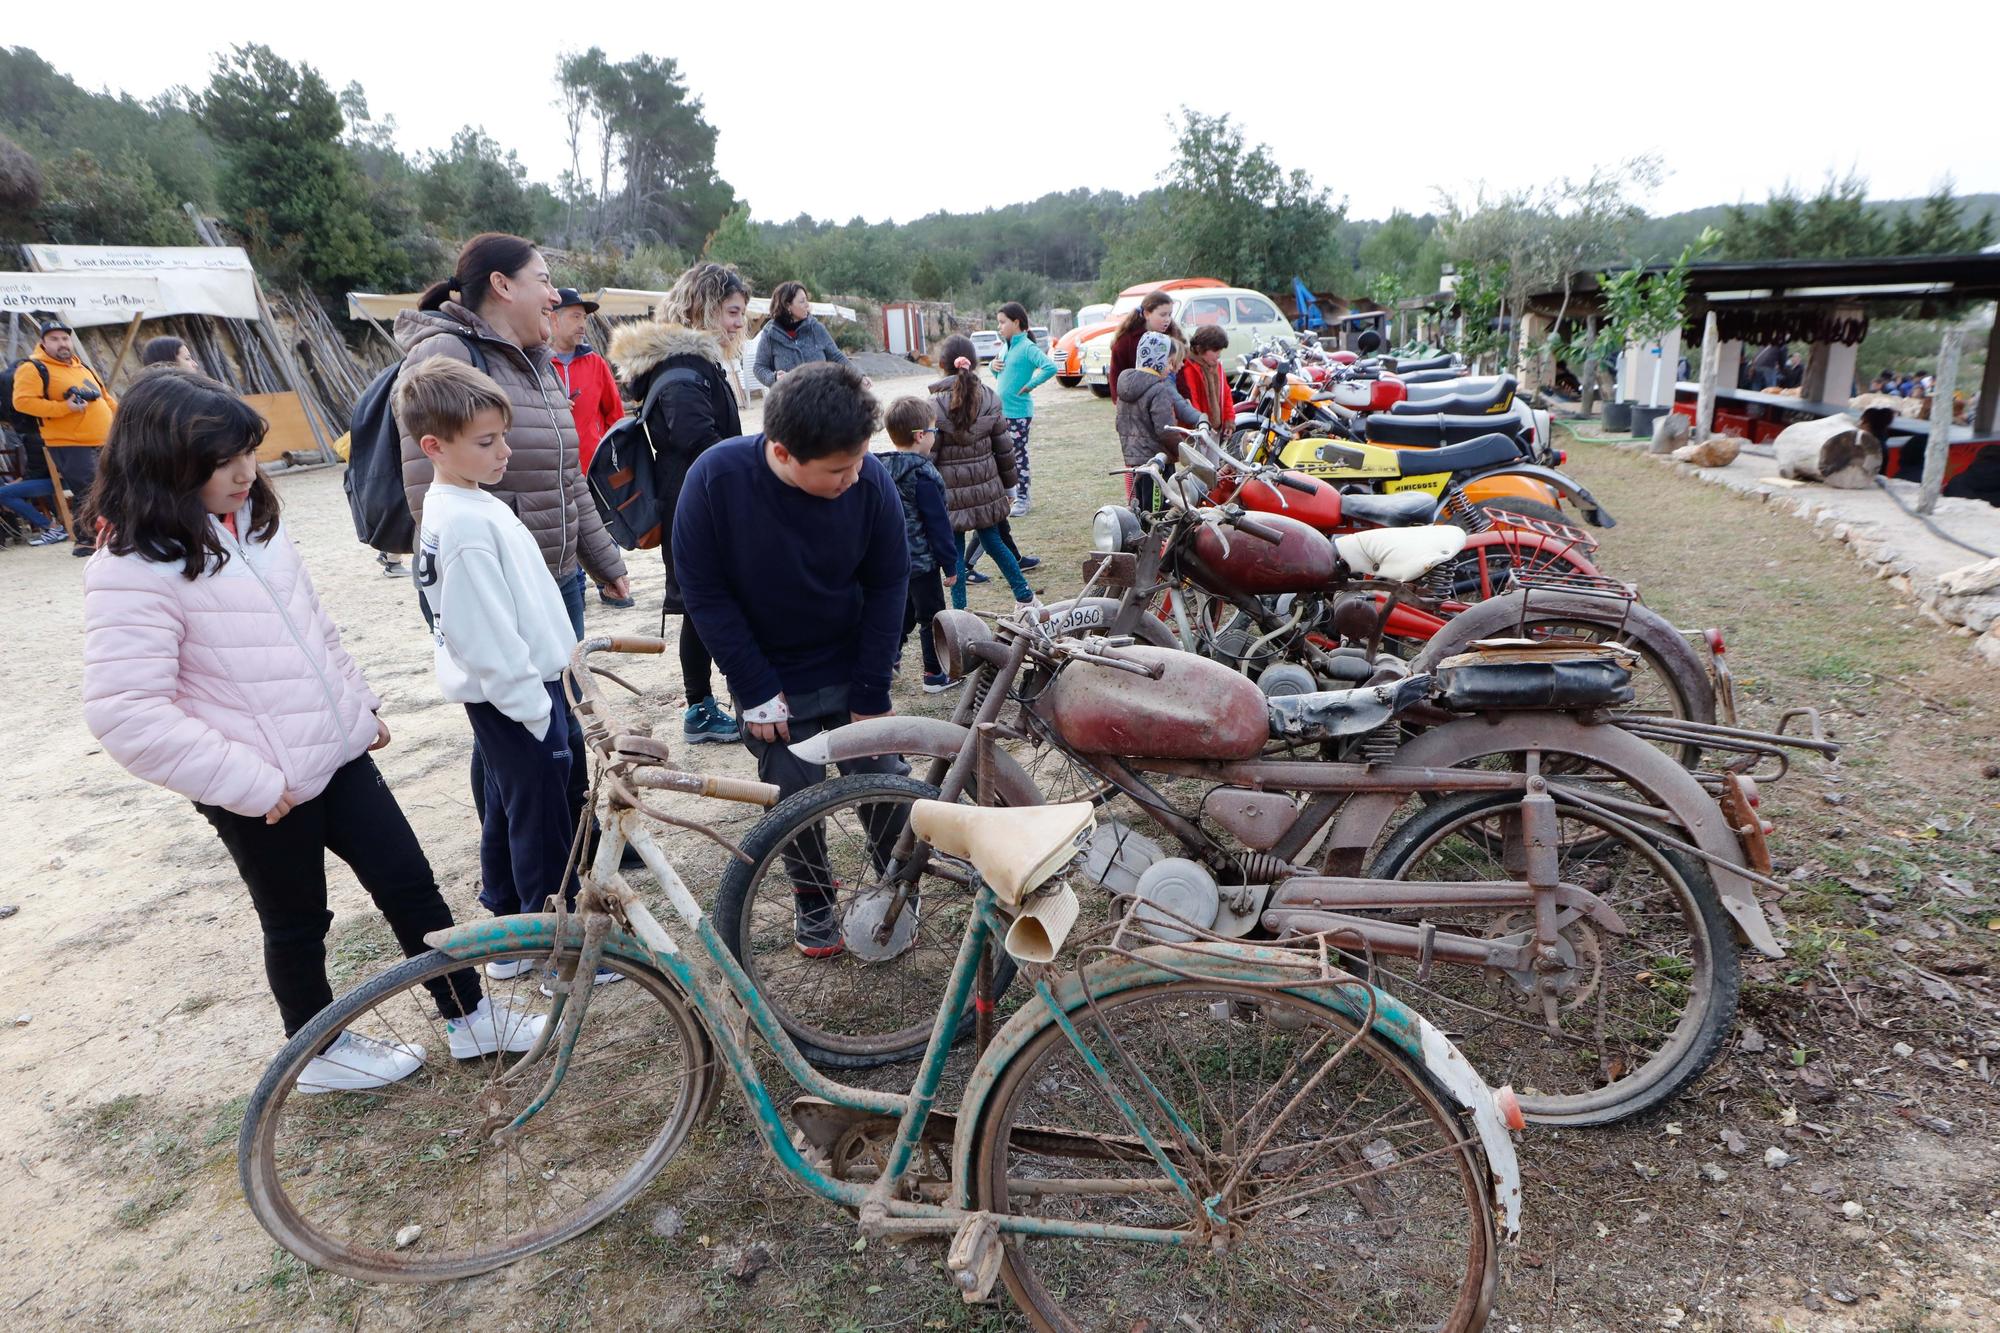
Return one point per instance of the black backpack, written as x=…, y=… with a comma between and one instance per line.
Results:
x=29, y=428
x=624, y=473
x=374, y=481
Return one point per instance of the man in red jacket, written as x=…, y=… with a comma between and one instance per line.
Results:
x=593, y=391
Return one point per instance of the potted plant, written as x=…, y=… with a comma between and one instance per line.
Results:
x=1624, y=300
x=1643, y=311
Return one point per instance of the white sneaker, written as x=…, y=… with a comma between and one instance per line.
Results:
x=605, y=977
x=355, y=1063
x=49, y=536
x=494, y=1027
x=508, y=971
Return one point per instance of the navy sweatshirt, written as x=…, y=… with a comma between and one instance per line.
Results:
x=792, y=593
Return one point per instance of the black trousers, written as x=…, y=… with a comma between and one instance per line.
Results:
x=805, y=857
x=697, y=667
x=284, y=865
x=1006, y=538
x=525, y=835
x=925, y=599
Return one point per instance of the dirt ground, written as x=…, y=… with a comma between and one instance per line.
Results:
x=134, y=1016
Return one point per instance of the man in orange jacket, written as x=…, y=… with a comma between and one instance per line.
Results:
x=74, y=407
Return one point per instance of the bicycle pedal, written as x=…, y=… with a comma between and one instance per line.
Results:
x=974, y=1260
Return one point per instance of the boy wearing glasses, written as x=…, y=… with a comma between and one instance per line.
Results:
x=912, y=425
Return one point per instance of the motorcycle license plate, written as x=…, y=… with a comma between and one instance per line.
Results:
x=1076, y=618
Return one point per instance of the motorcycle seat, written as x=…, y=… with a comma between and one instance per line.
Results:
x=1560, y=683
x=1493, y=449
x=1399, y=510
x=1399, y=555
x=1331, y=714
x=1430, y=430
x=1439, y=376
x=1438, y=362
x=1471, y=397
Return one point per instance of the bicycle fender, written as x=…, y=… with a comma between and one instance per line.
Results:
x=1393, y=1021
x=1365, y=817
x=930, y=737
x=1560, y=482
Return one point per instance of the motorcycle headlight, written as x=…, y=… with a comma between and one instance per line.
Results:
x=1114, y=528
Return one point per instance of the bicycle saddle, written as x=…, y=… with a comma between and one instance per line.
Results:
x=1399, y=510
x=1333, y=713
x=1014, y=850
x=1400, y=555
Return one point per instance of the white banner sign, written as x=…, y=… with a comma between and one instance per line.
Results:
x=193, y=279
x=80, y=299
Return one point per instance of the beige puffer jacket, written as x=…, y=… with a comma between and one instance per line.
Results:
x=544, y=484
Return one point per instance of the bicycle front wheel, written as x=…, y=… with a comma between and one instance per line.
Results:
x=418, y=1181
x=1347, y=1190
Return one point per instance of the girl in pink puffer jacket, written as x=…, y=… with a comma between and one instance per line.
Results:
x=211, y=669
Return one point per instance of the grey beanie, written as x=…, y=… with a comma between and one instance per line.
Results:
x=1155, y=350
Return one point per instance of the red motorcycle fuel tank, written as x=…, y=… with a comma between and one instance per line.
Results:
x=1318, y=508
x=1197, y=709
x=1302, y=561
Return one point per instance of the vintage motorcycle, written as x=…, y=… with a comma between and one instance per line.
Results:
x=1311, y=613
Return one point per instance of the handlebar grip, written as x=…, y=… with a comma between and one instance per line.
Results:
x=1257, y=529
x=1297, y=483
x=741, y=789
x=637, y=644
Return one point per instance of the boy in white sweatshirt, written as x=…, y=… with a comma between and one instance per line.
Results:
x=502, y=633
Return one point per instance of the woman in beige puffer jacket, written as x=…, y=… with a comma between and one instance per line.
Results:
x=505, y=313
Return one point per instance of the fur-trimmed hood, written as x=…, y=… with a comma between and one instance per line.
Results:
x=637, y=348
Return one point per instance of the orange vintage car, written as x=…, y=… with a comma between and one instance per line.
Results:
x=1068, y=351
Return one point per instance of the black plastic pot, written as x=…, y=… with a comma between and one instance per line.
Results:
x=1617, y=416
x=1643, y=418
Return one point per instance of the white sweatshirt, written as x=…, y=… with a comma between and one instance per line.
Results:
x=500, y=625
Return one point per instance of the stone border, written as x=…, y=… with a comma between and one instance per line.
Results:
x=1964, y=600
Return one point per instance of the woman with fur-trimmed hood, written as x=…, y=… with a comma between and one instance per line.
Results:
x=694, y=339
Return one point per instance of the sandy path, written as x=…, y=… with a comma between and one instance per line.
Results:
x=134, y=962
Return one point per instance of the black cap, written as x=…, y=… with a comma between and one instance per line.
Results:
x=54, y=325
x=569, y=296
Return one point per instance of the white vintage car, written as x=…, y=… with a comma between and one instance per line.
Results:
x=1250, y=317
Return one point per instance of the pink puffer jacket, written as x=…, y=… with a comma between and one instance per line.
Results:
x=231, y=689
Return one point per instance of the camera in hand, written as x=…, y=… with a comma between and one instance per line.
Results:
x=83, y=393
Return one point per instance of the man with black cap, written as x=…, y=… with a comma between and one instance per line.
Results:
x=593, y=391
x=74, y=407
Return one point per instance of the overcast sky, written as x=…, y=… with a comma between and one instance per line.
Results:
x=876, y=110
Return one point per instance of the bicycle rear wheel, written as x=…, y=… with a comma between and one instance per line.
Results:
x=337, y=1177
x=1352, y=1192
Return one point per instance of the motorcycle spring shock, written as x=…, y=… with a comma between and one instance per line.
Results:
x=1464, y=513
x=1263, y=867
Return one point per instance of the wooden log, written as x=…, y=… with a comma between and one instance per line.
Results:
x=1833, y=450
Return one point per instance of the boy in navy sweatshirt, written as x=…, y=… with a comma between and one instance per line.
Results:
x=912, y=427
x=790, y=551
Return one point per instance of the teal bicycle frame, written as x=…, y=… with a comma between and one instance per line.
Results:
x=721, y=1000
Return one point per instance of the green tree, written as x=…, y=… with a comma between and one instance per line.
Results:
x=1836, y=223
x=652, y=130
x=87, y=202
x=475, y=185
x=288, y=183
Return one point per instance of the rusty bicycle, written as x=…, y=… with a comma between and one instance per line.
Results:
x=1197, y=1130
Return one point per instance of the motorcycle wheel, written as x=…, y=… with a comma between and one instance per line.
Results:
x=1641, y=1014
